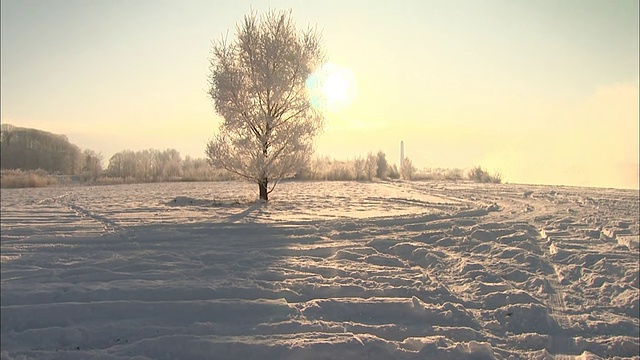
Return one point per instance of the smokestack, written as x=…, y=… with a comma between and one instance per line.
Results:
x=401, y=152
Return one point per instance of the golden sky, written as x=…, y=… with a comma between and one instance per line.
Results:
x=543, y=91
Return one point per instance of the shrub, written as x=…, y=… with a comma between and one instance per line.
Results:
x=394, y=173
x=438, y=174
x=453, y=174
x=478, y=174
x=407, y=170
x=25, y=179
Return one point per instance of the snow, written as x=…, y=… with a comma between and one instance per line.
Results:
x=402, y=270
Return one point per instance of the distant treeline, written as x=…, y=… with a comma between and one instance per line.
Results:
x=375, y=166
x=155, y=166
x=30, y=157
x=31, y=149
x=29, y=154
x=367, y=168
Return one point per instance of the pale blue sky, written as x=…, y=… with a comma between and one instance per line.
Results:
x=546, y=91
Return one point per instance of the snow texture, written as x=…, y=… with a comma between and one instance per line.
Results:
x=400, y=270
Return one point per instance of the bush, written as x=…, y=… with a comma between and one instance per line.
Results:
x=407, y=170
x=478, y=174
x=394, y=173
x=26, y=179
x=438, y=174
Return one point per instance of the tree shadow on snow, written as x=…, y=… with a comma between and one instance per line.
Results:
x=253, y=207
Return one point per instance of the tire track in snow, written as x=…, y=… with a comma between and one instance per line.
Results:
x=48, y=215
x=55, y=199
x=558, y=310
x=559, y=342
x=109, y=226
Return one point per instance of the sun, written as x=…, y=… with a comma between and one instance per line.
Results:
x=335, y=87
x=331, y=88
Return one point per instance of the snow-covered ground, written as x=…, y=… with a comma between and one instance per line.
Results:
x=325, y=271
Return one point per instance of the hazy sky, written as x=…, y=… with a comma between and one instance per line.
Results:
x=544, y=91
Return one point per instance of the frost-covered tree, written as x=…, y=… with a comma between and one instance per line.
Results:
x=358, y=168
x=258, y=87
x=407, y=170
x=382, y=169
x=92, y=164
x=370, y=166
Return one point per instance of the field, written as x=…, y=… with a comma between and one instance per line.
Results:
x=326, y=270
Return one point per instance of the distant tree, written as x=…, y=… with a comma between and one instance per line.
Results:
x=173, y=164
x=358, y=168
x=129, y=164
x=371, y=166
x=258, y=87
x=31, y=149
x=116, y=166
x=383, y=166
x=393, y=172
x=92, y=164
x=144, y=164
x=340, y=171
x=407, y=170
x=200, y=170
x=158, y=159
x=321, y=167
x=478, y=174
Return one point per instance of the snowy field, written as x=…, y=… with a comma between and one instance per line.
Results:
x=325, y=271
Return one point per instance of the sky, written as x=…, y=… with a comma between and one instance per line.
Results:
x=544, y=92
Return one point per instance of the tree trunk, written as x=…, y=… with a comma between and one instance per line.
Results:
x=263, y=190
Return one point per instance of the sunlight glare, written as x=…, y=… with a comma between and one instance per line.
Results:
x=331, y=88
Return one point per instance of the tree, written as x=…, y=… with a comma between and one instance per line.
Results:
x=172, y=165
x=393, y=172
x=31, y=149
x=258, y=87
x=478, y=174
x=370, y=166
x=144, y=164
x=116, y=165
x=383, y=166
x=92, y=164
x=358, y=168
x=407, y=170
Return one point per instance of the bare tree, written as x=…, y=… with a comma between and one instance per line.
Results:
x=92, y=164
x=370, y=166
x=258, y=87
x=407, y=170
x=116, y=165
x=358, y=168
x=145, y=164
x=172, y=165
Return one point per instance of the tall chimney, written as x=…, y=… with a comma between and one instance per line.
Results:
x=401, y=152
